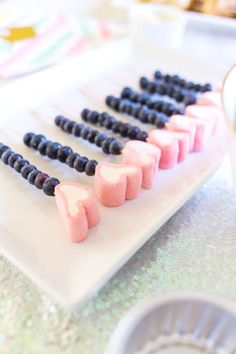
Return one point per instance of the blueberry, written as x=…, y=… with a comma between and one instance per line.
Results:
x=143, y=82
x=197, y=87
x=161, y=120
x=152, y=87
x=206, y=87
x=143, y=98
x=134, y=97
x=124, y=129
x=142, y=136
x=6, y=155
x=68, y=126
x=26, y=170
x=112, y=102
x=158, y=105
x=49, y=186
x=76, y=131
x=108, y=100
x=169, y=90
x=158, y=75
x=52, y=149
x=143, y=113
x=109, y=122
x=40, y=179
x=71, y=159
x=116, y=126
x=27, y=138
x=84, y=114
x=167, y=109
x=42, y=147
x=182, y=82
x=102, y=117
x=161, y=89
x=36, y=140
x=100, y=139
x=123, y=105
x=13, y=158
x=80, y=163
x=59, y=120
x=190, y=98
x=175, y=79
x=92, y=135
x=133, y=132
x=151, y=118
x=85, y=132
x=19, y=164
x=93, y=117
x=167, y=78
x=126, y=92
x=63, y=153
x=106, y=145
x=63, y=124
x=189, y=85
x=32, y=176
x=90, y=167
x=115, y=148
x=128, y=108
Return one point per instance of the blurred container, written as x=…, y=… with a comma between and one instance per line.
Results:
x=177, y=323
x=157, y=25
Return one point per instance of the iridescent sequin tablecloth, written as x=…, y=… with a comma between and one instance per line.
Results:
x=195, y=249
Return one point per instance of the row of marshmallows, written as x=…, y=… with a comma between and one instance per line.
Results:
x=115, y=183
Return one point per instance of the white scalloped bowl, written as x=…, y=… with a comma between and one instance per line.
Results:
x=177, y=323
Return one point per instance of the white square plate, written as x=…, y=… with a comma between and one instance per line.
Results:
x=32, y=236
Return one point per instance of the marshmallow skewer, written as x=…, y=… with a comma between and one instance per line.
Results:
x=76, y=203
x=56, y=151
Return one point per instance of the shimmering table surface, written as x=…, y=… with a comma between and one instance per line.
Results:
x=195, y=249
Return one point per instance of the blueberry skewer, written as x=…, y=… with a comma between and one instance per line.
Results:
x=29, y=172
x=138, y=111
x=153, y=103
x=109, y=122
x=109, y=145
x=180, y=81
x=64, y=154
x=164, y=89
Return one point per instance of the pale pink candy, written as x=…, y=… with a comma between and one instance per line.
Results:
x=179, y=123
x=114, y=183
x=168, y=145
x=210, y=98
x=144, y=155
x=78, y=209
x=202, y=129
x=210, y=114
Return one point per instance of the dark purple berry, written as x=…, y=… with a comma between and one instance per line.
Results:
x=115, y=148
x=92, y=135
x=206, y=87
x=3, y=148
x=32, y=176
x=143, y=113
x=106, y=145
x=80, y=163
x=68, y=126
x=126, y=92
x=109, y=122
x=116, y=126
x=63, y=153
x=52, y=150
x=142, y=136
x=92, y=117
x=151, y=118
x=143, y=82
x=27, y=138
x=6, y=155
x=49, y=186
x=77, y=129
x=59, y=120
x=42, y=147
x=13, y=158
x=71, y=159
x=124, y=129
x=19, y=164
x=133, y=132
x=90, y=167
x=102, y=117
x=84, y=114
x=158, y=75
x=190, y=98
x=161, y=120
x=26, y=170
x=85, y=132
x=40, y=179
x=100, y=139
x=36, y=140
